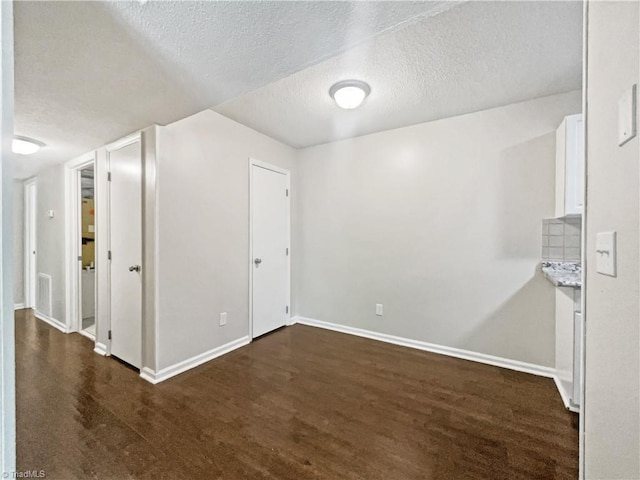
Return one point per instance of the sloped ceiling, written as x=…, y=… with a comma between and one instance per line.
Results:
x=88, y=73
x=475, y=56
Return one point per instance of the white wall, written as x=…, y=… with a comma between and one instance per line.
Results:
x=149, y=247
x=612, y=403
x=50, y=234
x=203, y=231
x=441, y=223
x=18, y=243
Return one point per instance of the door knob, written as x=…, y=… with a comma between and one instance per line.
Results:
x=257, y=261
x=135, y=268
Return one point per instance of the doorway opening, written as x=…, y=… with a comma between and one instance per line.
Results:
x=87, y=256
x=80, y=239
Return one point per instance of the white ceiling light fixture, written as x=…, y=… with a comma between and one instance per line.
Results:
x=349, y=94
x=25, y=146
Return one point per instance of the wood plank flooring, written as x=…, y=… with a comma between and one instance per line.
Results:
x=301, y=403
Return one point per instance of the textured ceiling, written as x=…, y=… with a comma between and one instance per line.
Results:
x=475, y=56
x=88, y=73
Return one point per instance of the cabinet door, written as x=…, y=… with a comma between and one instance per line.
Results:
x=570, y=166
x=581, y=173
x=577, y=358
x=561, y=141
x=574, y=165
x=564, y=337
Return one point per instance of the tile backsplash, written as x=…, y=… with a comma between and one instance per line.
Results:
x=561, y=239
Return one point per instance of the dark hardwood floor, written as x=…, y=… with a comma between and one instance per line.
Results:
x=301, y=403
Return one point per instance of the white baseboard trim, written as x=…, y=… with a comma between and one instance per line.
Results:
x=84, y=333
x=564, y=394
x=156, y=377
x=101, y=349
x=434, y=348
x=149, y=375
x=19, y=306
x=52, y=321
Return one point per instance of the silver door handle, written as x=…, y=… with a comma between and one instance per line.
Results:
x=135, y=268
x=257, y=261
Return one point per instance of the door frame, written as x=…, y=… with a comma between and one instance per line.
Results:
x=7, y=318
x=30, y=233
x=583, y=259
x=73, y=226
x=267, y=166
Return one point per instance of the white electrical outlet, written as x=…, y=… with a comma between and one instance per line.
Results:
x=379, y=310
x=223, y=319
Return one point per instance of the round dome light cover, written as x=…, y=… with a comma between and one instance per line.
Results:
x=349, y=94
x=25, y=146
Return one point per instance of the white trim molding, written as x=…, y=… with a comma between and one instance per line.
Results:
x=18, y=306
x=52, y=321
x=84, y=333
x=568, y=404
x=101, y=349
x=156, y=377
x=7, y=319
x=516, y=365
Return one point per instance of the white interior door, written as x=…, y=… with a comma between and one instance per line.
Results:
x=30, y=196
x=270, y=248
x=125, y=241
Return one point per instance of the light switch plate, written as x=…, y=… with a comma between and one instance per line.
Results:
x=606, y=253
x=627, y=116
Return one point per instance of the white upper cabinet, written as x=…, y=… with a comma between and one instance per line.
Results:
x=570, y=166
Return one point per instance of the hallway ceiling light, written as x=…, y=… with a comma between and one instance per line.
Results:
x=349, y=94
x=25, y=146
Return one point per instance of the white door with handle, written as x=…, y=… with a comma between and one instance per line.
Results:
x=30, y=243
x=269, y=247
x=125, y=245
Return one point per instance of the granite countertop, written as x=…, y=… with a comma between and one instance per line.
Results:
x=563, y=274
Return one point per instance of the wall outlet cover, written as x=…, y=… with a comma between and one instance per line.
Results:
x=223, y=319
x=379, y=310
